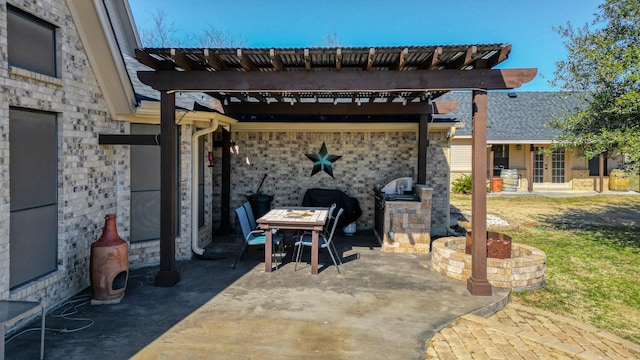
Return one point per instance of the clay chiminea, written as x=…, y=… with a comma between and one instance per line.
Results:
x=109, y=265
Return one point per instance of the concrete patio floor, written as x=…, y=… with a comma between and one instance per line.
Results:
x=381, y=306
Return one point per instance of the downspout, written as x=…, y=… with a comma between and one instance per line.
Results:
x=195, y=247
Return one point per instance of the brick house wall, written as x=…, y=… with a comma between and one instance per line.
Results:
x=92, y=179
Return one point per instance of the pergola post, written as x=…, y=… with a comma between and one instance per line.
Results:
x=168, y=274
x=478, y=284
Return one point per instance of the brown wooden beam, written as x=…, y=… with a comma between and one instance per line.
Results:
x=365, y=108
x=127, y=139
x=423, y=146
x=276, y=60
x=147, y=59
x=369, y=65
x=168, y=274
x=245, y=62
x=499, y=57
x=433, y=60
x=214, y=61
x=399, y=63
x=467, y=58
x=307, y=60
x=477, y=284
x=183, y=60
x=297, y=81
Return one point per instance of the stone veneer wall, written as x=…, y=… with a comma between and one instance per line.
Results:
x=411, y=234
x=93, y=180
x=368, y=158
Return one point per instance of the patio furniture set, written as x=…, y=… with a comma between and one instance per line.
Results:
x=314, y=226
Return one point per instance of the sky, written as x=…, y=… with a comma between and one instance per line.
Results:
x=526, y=25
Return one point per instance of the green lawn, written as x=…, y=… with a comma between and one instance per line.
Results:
x=593, y=255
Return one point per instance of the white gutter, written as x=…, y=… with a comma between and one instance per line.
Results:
x=194, y=185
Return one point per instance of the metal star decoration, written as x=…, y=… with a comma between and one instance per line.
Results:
x=322, y=161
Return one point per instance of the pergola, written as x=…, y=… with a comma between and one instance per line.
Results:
x=356, y=81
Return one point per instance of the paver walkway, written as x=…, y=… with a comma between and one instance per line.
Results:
x=522, y=332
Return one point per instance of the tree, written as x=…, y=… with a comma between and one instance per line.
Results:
x=603, y=70
x=165, y=34
x=331, y=39
x=211, y=37
x=162, y=33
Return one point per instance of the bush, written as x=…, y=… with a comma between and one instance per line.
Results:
x=462, y=185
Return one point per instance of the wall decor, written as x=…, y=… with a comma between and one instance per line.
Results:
x=322, y=161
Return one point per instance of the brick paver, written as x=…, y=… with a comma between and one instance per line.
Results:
x=522, y=332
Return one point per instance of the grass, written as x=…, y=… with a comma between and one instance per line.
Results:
x=593, y=252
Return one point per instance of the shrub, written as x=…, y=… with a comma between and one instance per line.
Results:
x=462, y=185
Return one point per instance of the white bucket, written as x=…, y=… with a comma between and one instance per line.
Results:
x=350, y=229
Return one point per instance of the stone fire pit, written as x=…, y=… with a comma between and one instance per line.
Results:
x=524, y=270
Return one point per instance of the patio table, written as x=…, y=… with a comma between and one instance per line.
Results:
x=293, y=218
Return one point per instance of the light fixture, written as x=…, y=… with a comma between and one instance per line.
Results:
x=518, y=147
x=210, y=158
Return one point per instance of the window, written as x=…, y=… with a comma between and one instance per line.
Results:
x=31, y=42
x=33, y=172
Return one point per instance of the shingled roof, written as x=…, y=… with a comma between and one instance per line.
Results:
x=513, y=117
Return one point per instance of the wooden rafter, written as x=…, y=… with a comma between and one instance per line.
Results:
x=245, y=62
x=499, y=57
x=214, y=61
x=467, y=59
x=399, y=63
x=182, y=60
x=369, y=65
x=307, y=60
x=433, y=60
x=324, y=81
x=276, y=60
x=146, y=59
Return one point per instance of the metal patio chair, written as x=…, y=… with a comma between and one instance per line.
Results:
x=255, y=237
x=325, y=241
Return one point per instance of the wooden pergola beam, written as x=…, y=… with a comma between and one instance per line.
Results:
x=276, y=60
x=245, y=62
x=433, y=61
x=214, y=61
x=297, y=81
x=365, y=108
x=400, y=61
